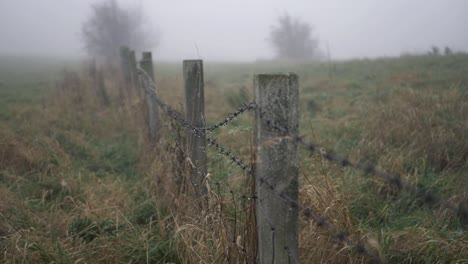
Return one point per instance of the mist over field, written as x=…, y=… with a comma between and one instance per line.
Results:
x=239, y=30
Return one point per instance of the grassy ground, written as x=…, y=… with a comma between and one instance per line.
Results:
x=78, y=183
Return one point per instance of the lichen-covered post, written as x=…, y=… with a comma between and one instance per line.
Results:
x=126, y=74
x=153, y=120
x=146, y=63
x=276, y=167
x=125, y=63
x=195, y=114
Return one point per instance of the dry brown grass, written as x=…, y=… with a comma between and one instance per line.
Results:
x=426, y=124
x=322, y=190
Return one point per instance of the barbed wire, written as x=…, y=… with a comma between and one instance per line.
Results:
x=427, y=196
x=367, y=167
x=339, y=236
x=231, y=116
x=147, y=82
x=177, y=116
x=218, y=185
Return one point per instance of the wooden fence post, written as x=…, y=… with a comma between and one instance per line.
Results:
x=97, y=77
x=276, y=168
x=125, y=70
x=153, y=120
x=195, y=114
x=125, y=63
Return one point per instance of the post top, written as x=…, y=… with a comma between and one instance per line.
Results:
x=146, y=55
x=266, y=77
x=192, y=61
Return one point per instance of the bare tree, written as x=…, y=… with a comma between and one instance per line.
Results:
x=292, y=39
x=448, y=51
x=110, y=26
x=434, y=50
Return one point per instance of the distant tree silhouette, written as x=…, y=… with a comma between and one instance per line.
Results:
x=448, y=51
x=435, y=50
x=292, y=39
x=110, y=26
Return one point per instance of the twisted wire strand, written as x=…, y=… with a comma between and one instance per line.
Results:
x=367, y=167
x=147, y=82
x=231, y=116
x=337, y=235
x=227, y=189
x=306, y=211
x=177, y=116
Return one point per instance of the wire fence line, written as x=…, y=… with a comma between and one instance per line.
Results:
x=178, y=117
x=219, y=185
x=215, y=199
x=339, y=236
x=368, y=168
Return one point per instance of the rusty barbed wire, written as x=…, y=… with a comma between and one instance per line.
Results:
x=340, y=236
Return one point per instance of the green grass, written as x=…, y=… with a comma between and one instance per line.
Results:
x=78, y=181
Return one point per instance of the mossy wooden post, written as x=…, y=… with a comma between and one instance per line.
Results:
x=126, y=73
x=125, y=63
x=153, y=120
x=195, y=114
x=276, y=168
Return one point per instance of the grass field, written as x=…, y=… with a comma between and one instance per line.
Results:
x=78, y=183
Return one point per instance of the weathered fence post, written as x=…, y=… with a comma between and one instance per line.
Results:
x=195, y=114
x=276, y=168
x=125, y=70
x=125, y=63
x=153, y=121
x=97, y=77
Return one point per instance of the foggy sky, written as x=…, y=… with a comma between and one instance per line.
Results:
x=237, y=30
